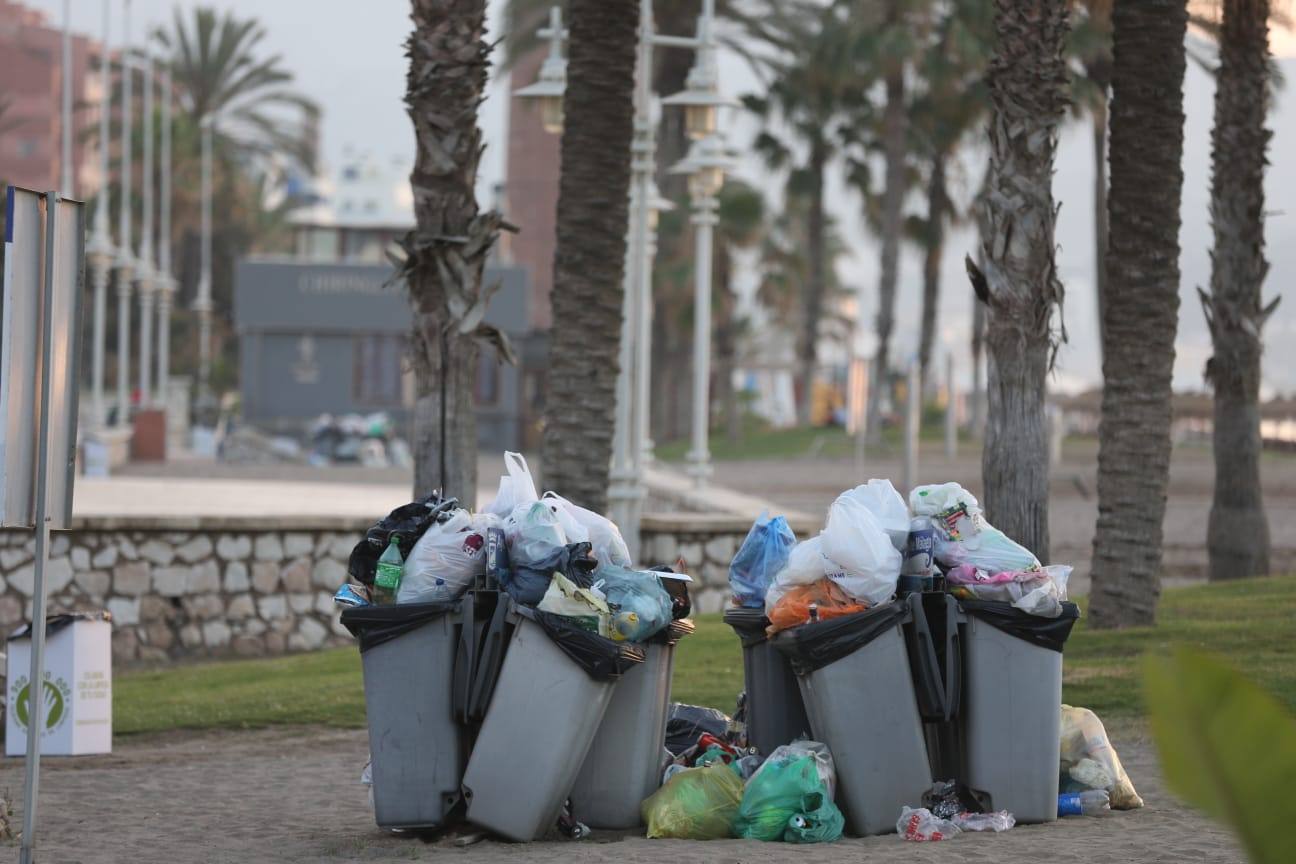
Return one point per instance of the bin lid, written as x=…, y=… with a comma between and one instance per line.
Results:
x=1050, y=633
x=55, y=623
x=749, y=623
x=817, y=644
x=373, y=625
x=600, y=657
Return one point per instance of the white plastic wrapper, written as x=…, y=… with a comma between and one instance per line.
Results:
x=861, y=558
x=921, y=825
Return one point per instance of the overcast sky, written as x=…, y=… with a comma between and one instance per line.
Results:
x=349, y=57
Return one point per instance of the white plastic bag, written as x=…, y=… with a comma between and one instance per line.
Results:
x=609, y=547
x=921, y=825
x=860, y=556
x=963, y=536
x=532, y=533
x=805, y=565
x=444, y=562
x=889, y=510
x=1037, y=592
x=516, y=487
x=1084, y=741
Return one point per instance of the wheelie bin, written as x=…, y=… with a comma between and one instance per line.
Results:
x=776, y=714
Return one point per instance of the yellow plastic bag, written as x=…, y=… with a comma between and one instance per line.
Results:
x=696, y=804
x=579, y=605
x=1090, y=761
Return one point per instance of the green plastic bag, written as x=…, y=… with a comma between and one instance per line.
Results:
x=818, y=822
x=779, y=791
x=696, y=804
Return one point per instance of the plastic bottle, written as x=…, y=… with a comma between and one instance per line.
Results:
x=1091, y=802
x=387, y=577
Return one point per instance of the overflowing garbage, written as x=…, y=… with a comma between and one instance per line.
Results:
x=523, y=618
x=923, y=642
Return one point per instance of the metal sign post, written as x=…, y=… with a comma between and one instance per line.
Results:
x=39, y=358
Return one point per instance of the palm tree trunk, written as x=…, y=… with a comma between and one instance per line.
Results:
x=1028, y=90
x=589, y=259
x=1141, y=309
x=1100, y=217
x=1238, y=535
x=937, y=207
x=893, y=142
x=447, y=250
x=808, y=349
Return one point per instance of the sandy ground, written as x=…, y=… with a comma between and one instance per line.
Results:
x=811, y=484
x=292, y=795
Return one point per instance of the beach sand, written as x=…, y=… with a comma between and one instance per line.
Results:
x=294, y=795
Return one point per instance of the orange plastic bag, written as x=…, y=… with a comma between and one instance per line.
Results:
x=793, y=609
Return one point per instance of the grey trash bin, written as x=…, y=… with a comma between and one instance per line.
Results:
x=1013, y=705
x=854, y=676
x=624, y=764
x=417, y=748
x=549, y=699
x=775, y=712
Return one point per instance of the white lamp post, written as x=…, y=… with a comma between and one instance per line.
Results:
x=548, y=88
x=705, y=166
x=147, y=267
x=166, y=284
x=125, y=254
x=99, y=251
x=67, y=178
x=203, y=303
x=630, y=443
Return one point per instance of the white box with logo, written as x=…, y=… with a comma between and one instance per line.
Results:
x=77, y=692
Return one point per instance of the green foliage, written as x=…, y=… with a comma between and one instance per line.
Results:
x=1227, y=747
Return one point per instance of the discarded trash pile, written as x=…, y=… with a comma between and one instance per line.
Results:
x=925, y=644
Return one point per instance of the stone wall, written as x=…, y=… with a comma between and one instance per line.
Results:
x=191, y=588
x=212, y=587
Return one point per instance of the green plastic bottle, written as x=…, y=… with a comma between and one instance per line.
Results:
x=387, y=579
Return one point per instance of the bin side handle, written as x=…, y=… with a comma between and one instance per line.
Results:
x=464, y=660
x=489, y=662
x=953, y=660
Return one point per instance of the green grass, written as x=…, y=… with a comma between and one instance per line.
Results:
x=1251, y=624
x=761, y=442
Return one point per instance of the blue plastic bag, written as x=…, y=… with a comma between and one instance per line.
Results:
x=762, y=555
x=640, y=605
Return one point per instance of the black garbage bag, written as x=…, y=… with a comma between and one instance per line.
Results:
x=815, y=645
x=685, y=724
x=681, y=604
x=948, y=798
x=407, y=522
x=600, y=657
x=1050, y=633
x=527, y=584
x=374, y=625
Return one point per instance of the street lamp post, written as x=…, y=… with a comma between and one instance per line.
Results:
x=125, y=256
x=705, y=166
x=630, y=444
x=146, y=273
x=100, y=250
x=203, y=304
x=166, y=284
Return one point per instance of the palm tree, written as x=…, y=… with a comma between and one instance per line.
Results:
x=1238, y=533
x=217, y=67
x=1141, y=308
x=806, y=99
x=950, y=105
x=589, y=260
x=1018, y=281
x=741, y=226
x=1091, y=45
x=446, y=251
